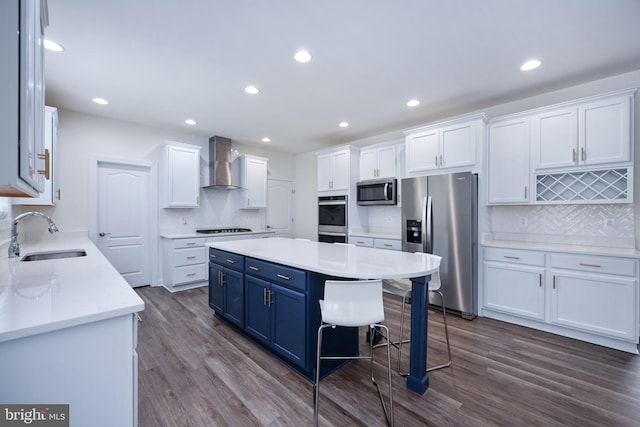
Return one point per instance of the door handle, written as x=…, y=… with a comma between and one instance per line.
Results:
x=104, y=234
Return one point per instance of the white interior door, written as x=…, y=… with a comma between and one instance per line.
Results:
x=279, y=202
x=123, y=225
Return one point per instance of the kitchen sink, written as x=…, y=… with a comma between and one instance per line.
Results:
x=67, y=253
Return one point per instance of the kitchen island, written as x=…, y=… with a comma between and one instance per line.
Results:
x=247, y=275
x=68, y=333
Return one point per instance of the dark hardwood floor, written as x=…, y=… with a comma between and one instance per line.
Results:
x=195, y=370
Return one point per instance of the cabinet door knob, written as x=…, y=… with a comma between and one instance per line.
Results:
x=104, y=234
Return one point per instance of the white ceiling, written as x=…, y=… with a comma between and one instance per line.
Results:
x=160, y=62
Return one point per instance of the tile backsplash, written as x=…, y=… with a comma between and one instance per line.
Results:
x=601, y=220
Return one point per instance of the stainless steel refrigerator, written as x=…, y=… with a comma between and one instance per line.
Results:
x=440, y=216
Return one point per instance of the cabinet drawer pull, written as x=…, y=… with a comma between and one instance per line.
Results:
x=251, y=267
x=282, y=276
x=47, y=162
x=511, y=257
x=436, y=161
x=191, y=244
x=573, y=155
x=590, y=265
x=191, y=257
x=264, y=296
x=525, y=191
x=213, y=256
x=540, y=277
x=441, y=160
x=388, y=245
x=231, y=261
x=191, y=274
x=554, y=281
x=582, y=154
x=360, y=242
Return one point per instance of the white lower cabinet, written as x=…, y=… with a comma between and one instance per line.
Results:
x=91, y=367
x=594, y=294
x=514, y=282
x=588, y=297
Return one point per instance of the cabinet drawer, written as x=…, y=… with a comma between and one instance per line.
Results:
x=188, y=243
x=361, y=241
x=391, y=244
x=594, y=264
x=189, y=273
x=276, y=273
x=516, y=256
x=188, y=256
x=227, y=259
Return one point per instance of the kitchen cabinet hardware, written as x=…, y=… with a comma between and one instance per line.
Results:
x=231, y=261
x=47, y=164
x=436, y=161
x=511, y=257
x=254, y=268
x=582, y=155
x=191, y=257
x=573, y=155
x=264, y=296
x=139, y=318
x=104, y=234
x=525, y=192
x=192, y=243
x=58, y=193
x=540, y=276
x=282, y=276
x=590, y=265
x=191, y=274
x=554, y=281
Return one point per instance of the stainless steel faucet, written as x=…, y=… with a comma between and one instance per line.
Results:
x=14, y=247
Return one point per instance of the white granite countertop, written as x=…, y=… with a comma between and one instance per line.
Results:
x=346, y=261
x=47, y=295
x=563, y=247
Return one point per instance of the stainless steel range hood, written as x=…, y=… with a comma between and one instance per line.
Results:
x=221, y=173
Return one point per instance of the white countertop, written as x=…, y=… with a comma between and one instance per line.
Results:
x=43, y=296
x=352, y=262
x=564, y=248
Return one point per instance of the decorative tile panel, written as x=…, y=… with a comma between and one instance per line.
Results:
x=601, y=220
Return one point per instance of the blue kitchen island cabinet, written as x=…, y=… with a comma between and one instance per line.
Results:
x=284, y=280
x=281, y=309
x=226, y=286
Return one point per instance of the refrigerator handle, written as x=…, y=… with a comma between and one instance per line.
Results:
x=426, y=225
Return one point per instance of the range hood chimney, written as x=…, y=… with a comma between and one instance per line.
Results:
x=220, y=164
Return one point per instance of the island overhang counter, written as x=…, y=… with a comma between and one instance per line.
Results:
x=282, y=266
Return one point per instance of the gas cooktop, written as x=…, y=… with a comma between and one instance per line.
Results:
x=222, y=230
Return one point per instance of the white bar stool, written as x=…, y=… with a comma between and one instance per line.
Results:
x=402, y=288
x=352, y=303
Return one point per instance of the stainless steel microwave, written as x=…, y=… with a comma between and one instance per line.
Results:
x=378, y=192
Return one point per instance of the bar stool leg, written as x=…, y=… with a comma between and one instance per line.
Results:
x=446, y=335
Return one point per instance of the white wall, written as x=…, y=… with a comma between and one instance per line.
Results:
x=82, y=137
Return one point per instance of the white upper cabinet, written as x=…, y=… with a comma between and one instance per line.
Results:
x=378, y=162
x=253, y=180
x=51, y=193
x=180, y=176
x=595, y=132
x=334, y=170
x=450, y=146
x=508, y=161
x=22, y=109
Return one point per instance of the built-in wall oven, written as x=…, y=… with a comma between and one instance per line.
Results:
x=332, y=219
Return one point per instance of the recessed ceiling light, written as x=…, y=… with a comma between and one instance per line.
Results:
x=531, y=65
x=343, y=124
x=190, y=122
x=413, y=103
x=53, y=46
x=302, y=56
x=252, y=90
x=266, y=139
x=100, y=101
